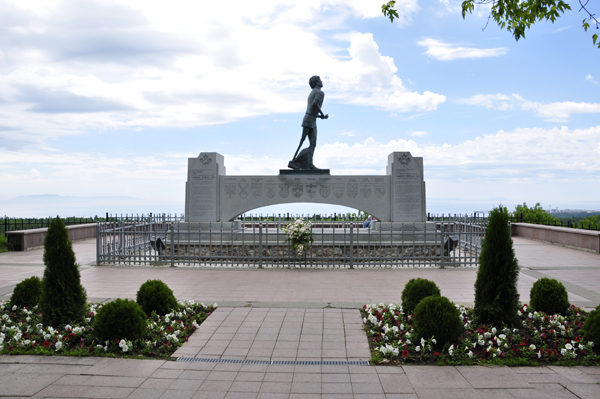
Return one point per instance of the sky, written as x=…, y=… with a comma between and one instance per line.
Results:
x=102, y=102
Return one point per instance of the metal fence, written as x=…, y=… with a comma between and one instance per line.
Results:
x=245, y=244
x=13, y=224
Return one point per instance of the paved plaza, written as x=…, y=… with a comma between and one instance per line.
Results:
x=292, y=334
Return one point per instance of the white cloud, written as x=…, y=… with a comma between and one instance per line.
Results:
x=419, y=134
x=348, y=133
x=69, y=66
x=554, y=112
x=590, y=78
x=445, y=51
x=370, y=79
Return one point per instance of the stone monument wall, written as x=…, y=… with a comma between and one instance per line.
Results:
x=397, y=196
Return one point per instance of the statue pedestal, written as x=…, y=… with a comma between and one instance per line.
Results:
x=304, y=172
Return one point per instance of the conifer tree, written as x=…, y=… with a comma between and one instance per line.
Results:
x=496, y=295
x=63, y=296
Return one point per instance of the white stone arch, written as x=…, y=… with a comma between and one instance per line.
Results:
x=212, y=196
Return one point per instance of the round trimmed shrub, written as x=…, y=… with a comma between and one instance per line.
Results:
x=591, y=326
x=436, y=316
x=414, y=291
x=28, y=293
x=120, y=319
x=154, y=295
x=550, y=296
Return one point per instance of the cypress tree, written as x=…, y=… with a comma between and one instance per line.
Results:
x=496, y=295
x=63, y=296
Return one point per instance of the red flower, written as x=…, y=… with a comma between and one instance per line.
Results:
x=405, y=353
x=165, y=342
x=46, y=344
x=71, y=335
x=169, y=328
x=435, y=353
x=25, y=335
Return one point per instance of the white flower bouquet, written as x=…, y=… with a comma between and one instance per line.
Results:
x=299, y=234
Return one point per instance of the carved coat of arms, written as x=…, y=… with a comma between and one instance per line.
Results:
x=257, y=190
x=365, y=190
x=243, y=189
x=338, y=189
x=270, y=189
x=229, y=190
x=284, y=190
x=297, y=189
x=325, y=189
x=352, y=189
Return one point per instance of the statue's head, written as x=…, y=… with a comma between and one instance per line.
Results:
x=313, y=81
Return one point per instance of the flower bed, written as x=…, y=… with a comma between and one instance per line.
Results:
x=539, y=339
x=22, y=332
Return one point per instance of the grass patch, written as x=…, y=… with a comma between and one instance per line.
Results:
x=3, y=243
x=22, y=333
x=539, y=339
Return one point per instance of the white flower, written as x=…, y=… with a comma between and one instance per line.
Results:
x=422, y=342
x=389, y=350
x=433, y=340
x=494, y=330
x=540, y=354
x=532, y=347
x=14, y=307
x=470, y=354
x=418, y=349
x=58, y=345
x=568, y=346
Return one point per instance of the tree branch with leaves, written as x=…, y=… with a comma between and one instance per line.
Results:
x=517, y=16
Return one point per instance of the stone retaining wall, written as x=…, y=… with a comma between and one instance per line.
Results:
x=587, y=240
x=25, y=240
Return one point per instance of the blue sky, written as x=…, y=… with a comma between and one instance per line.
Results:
x=110, y=98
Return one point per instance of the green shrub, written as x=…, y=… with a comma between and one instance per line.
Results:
x=496, y=295
x=63, y=296
x=120, y=319
x=28, y=293
x=436, y=316
x=550, y=296
x=414, y=291
x=591, y=326
x=3, y=243
x=154, y=295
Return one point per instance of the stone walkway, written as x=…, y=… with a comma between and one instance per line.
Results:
x=292, y=334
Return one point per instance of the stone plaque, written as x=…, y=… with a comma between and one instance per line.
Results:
x=202, y=194
x=311, y=190
x=407, y=187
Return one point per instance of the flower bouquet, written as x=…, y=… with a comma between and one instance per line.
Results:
x=299, y=234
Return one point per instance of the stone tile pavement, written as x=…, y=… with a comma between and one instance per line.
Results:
x=305, y=318
x=64, y=377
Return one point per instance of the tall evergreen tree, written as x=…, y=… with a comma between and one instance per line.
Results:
x=63, y=296
x=496, y=295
